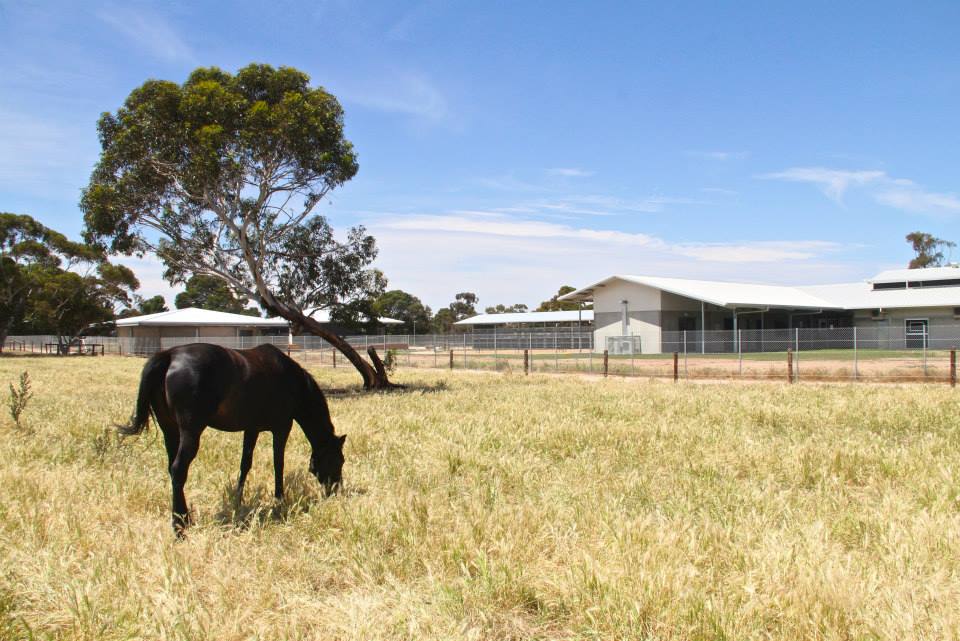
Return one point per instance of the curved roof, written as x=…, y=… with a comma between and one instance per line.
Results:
x=197, y=316
x=847, y=296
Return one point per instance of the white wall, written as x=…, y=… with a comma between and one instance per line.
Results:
x=643, y=308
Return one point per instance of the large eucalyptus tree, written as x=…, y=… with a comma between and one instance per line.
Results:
x=222, y=176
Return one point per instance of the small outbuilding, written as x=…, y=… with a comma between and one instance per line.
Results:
x=146, y=334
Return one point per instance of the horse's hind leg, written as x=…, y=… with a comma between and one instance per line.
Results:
x=186, y=452
x=246, y=460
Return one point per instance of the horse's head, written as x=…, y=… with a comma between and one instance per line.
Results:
x=326, y=463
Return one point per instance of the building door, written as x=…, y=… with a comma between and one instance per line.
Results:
x=916, y=333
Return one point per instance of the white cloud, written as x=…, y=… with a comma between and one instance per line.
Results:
x=914, y=199
x=833, y=182
x=148, y=30
x=510, y=259
x=899, y=193
x=570, y=172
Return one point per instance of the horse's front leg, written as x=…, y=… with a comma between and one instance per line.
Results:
x=279, y=445
x=186, y=452
x=246, y=460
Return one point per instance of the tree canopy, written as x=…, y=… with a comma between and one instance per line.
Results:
x=221, y=176
x=52, y=285
x=213, y=293
x=506, y=309
x=929, y=250
x=555, y=305
x=405, y=307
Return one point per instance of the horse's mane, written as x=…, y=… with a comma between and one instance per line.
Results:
x=314, y=400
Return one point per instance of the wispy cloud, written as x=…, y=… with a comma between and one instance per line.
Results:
x=405, y=92
x=899, y=193
x=570, y=172
x=718, y=155
x=149, y=31
x=510, y=258
x=469, y=223
x=915, y=199
x=832, y=182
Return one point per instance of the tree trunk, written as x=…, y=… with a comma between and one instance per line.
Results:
x=373, y=377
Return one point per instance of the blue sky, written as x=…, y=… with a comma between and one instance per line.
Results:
x=508, y=148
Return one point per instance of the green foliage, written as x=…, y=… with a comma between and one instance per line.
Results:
x=406, y=307
x=213, y=292
x=391, y=361
x=443, y=320
x=505, y=309
x=154, y=305
x=555, y=305
x=929, y=250
x=221, y=176
x=19, y=398
x=52, y=285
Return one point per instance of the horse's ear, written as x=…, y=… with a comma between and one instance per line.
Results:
x=342, y=438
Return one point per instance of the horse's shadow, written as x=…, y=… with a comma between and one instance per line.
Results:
x=347, y=392
x=301, y=494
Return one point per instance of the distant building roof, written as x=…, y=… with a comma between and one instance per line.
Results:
x=860, y=295
x=928, y=273
x=323, y=316
x=527, y=318
x=196, y=316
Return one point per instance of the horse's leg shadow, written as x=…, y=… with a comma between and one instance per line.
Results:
x=301, y=492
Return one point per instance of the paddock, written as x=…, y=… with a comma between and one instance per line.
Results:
x=488, y=505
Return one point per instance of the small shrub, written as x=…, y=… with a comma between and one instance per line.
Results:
x=19, y=398
x=390, y=362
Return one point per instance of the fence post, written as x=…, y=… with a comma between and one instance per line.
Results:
x=953, y=367
x=856, y=372
x=676, y=366
x=740, y=351
x=606, y=362
x=526, y=362
x=451, y=358
x=789, y=365
x=686, y=371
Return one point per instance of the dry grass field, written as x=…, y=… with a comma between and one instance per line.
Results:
x=494, y=506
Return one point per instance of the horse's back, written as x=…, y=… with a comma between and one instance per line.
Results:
x=231, y=389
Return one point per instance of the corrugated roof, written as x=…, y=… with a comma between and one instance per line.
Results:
x=197, y=316
x=524, y=318
x=845, y=296
x=928, y=273
x=720, y=293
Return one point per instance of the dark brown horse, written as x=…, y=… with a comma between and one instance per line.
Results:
x=191, y=387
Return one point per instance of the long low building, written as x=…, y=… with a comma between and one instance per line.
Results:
x=654, y=309
x=529, y=320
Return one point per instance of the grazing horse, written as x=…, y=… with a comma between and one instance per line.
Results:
x=254, y=390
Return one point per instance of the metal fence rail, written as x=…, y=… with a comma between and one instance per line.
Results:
x=869, y=354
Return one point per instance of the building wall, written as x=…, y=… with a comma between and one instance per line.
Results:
x=643, y=309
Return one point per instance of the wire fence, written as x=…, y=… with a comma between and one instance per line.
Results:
x=858, y=354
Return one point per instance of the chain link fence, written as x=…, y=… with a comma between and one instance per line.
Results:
x=863, y=354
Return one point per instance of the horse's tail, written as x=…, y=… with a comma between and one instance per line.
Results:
x=151, y=379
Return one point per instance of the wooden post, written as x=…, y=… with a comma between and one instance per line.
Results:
x=451, y=359
x=606, y=362
x=790, y=364
x=333, y=353
x=953, y=367
x=676, y=367
x=526, y=362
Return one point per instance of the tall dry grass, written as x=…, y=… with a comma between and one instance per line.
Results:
x=500, y=507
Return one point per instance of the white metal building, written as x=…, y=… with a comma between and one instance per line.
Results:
x=914, y=300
